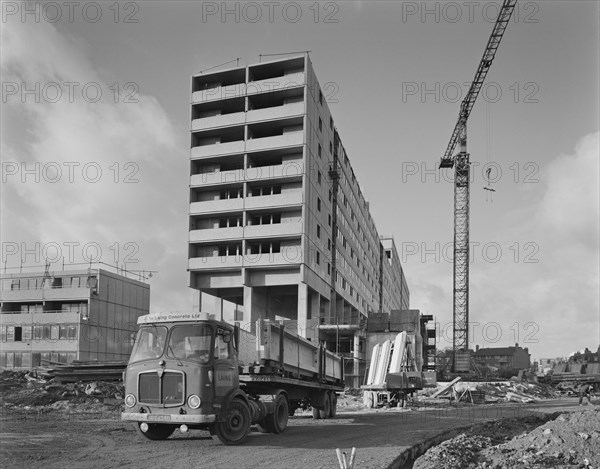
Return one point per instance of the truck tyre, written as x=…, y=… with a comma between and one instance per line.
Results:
x=326, y=410
x=278, y=420
x=333, y=405
x=157, y=431
x=234, y=428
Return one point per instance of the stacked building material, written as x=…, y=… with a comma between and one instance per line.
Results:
x=89, y=371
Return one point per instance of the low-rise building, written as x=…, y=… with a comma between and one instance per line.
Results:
x=503, y=357
x=61, y=316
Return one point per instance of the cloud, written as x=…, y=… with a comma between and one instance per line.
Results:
x=86, y=170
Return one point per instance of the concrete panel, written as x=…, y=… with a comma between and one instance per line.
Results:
x=273, y=277
x=221, y=120
x=217, y=149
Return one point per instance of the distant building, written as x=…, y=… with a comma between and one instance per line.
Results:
x=68, y=315
x=503, y=357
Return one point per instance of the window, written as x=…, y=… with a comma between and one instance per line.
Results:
x=320, y=125
x=331, y=123
x=320, y=97
x=329, y=220
x=328, y=268
x=330, y=195
x=318, y=258
x=330, y=147
x=319, y=231
x=319, y=177
x=329, y=244
x=222, y=345
x=319, y=150
x=318, y=204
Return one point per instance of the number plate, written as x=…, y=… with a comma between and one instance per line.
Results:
x=159, y=418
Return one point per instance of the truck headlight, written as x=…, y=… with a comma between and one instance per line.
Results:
x=130, y=400
x=194, y=401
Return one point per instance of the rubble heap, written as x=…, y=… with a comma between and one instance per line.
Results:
x=567, y=441
x=25, y=390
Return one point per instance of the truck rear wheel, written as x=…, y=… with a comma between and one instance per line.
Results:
x=326, y=410
x=278, y=420
x=333, y=406
x=234, y=429
x=156, y=431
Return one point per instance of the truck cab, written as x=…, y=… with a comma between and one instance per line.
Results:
x=183, y=373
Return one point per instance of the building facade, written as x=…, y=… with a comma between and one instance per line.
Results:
x=68, y=315
x=503, y=357
x=278, y=223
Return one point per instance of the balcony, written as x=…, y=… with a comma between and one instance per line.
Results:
x=277, y=141
x=268, y=201
x=217, y=177
x=41, y=294
x=275, y=112
x=222, y=120
x=210, y=206
x=216, y=234
x=219, y=92
x=217, y=149
x=269, y=259
x=214, y=262
x=276, y=83
x=275, y=229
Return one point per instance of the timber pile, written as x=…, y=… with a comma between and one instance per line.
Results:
x=89, y=371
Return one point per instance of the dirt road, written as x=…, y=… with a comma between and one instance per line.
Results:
x=102, y=441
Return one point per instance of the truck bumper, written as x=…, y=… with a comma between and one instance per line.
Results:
x=167, y=418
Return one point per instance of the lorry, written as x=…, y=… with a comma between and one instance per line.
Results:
x=191, y=371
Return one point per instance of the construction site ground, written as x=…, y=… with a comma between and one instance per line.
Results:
x=74, y=426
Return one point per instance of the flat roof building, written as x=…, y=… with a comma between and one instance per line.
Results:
x=61, y=316
x=278, y=223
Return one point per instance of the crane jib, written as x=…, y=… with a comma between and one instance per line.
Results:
x=484, y=65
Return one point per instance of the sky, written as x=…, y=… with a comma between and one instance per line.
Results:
x=95, y=142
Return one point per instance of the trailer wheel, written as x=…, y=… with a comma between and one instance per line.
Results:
x=325, y=412
x=234, y=429
x=333, y=405
x=157, y=431
x=278, y=420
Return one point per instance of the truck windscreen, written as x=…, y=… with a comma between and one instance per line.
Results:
x=149, y=343
x=190, y=342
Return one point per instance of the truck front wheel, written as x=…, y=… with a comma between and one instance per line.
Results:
x=234, y=428
x=156, y=431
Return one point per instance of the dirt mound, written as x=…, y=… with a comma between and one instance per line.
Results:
x=465, y=450
x=572, y=440
x=567, y=440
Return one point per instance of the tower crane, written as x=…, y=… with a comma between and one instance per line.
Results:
x=460, y=162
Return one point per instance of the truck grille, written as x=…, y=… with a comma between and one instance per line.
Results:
x=168, y=390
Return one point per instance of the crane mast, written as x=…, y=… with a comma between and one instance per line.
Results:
x=460, y=163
